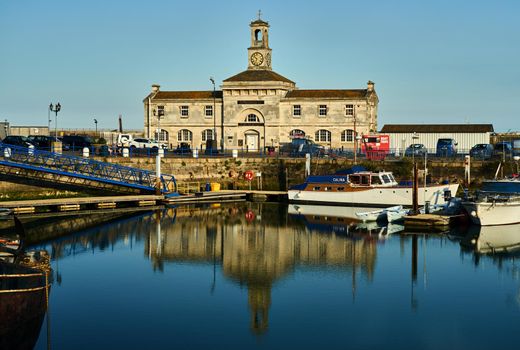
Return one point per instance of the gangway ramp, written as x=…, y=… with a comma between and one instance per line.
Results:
x=50, y=167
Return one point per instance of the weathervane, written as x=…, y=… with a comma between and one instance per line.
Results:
x=259, y=14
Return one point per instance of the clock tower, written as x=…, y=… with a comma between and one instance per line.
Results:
x=259, y=54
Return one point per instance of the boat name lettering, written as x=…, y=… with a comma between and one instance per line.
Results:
x=338, y=179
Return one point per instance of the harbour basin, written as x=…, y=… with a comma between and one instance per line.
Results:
x=264, y=276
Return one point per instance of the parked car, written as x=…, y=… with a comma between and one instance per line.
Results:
x=42, y=142
x=16, y=140
x=211, y=148
x=301, y=146
x=76, y=142
x=183, y=148
x=503, y=149
x=446, y=148
x=416, y=149
x=145, y=143
x=482, y=151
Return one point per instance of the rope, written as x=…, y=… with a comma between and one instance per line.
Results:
x=22, y=275
x=22, y=290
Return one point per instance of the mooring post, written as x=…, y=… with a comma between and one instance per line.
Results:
x=415, y=192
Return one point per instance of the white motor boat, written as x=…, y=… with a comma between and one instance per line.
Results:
x=365, y=188
x=494, y=208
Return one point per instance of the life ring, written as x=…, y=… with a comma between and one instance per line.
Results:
x=250, y=215
x=248, y=175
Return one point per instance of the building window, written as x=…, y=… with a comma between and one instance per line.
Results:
x=208, y=111
x=297, y=110
x=322, y=136
x=349, y=110
x=163, y=136
x=160, y=111
x=323, y=110
x=252, y=118
x=184, y=135
x=296, y=133
x=347, y=136
x=185, y=111
x=207, y=135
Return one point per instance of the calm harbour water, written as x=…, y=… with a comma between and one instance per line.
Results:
x=252, y=275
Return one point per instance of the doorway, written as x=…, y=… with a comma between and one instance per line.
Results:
x=252, y=140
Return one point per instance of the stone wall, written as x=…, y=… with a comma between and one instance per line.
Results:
x=278, y=173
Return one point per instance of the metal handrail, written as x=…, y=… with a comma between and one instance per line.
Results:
x=85, y=168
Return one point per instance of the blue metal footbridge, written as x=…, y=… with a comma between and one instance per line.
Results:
x=43, y=166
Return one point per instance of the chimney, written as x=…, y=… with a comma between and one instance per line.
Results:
x=370, y=86
x=155, y=88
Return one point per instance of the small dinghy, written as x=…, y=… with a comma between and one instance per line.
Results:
x=377, y=215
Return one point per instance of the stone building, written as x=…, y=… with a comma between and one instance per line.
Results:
x=259, y=107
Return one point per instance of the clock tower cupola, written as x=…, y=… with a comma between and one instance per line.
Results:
x=259, y=54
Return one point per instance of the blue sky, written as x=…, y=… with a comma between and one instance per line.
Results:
x=433, y=62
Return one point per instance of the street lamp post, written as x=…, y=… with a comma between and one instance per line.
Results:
x=214, y=139
x=158, y=113
x=355, y=136
x=55, y=109
x=49, y=121
x=415, y=137
x=95, y=122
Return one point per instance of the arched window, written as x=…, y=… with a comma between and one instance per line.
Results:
x=163, y=136
x=347, y=135
x=296, y=133
x=258, y=35
x=207, y=135
x=322, y=136
x=252, y=118
x=184, y=135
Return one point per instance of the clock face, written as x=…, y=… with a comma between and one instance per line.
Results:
x=268, y=59
x=257, y=59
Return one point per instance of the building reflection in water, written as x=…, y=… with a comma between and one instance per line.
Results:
x=258, y=245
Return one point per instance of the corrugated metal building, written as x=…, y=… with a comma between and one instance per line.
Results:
x=466, y=135
x=26, y=130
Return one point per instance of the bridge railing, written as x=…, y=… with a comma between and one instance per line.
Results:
x=86, y=168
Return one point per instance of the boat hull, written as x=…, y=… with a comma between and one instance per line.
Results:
x=489, y=213
x=373, y=196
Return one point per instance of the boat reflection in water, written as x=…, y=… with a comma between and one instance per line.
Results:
x=257, y=252
x=500, y=240
x=341, y=219
x=24, y=291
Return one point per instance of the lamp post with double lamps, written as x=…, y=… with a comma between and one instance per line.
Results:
x=356, y=140
x=214, y=139
x=159, y=113
x=55, y=109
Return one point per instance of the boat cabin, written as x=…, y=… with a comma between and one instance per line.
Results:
x=381, y=179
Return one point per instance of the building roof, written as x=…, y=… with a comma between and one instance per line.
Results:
x=360, y=93
x=186, y=95
x=437, y=128
x=260, y=22
x=258, y=75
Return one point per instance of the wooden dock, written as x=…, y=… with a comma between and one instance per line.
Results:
x=112, y=202
x=430, y=221
x=228, y=196
x=80, y=203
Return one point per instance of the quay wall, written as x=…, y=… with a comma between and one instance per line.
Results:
x=279, y=173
